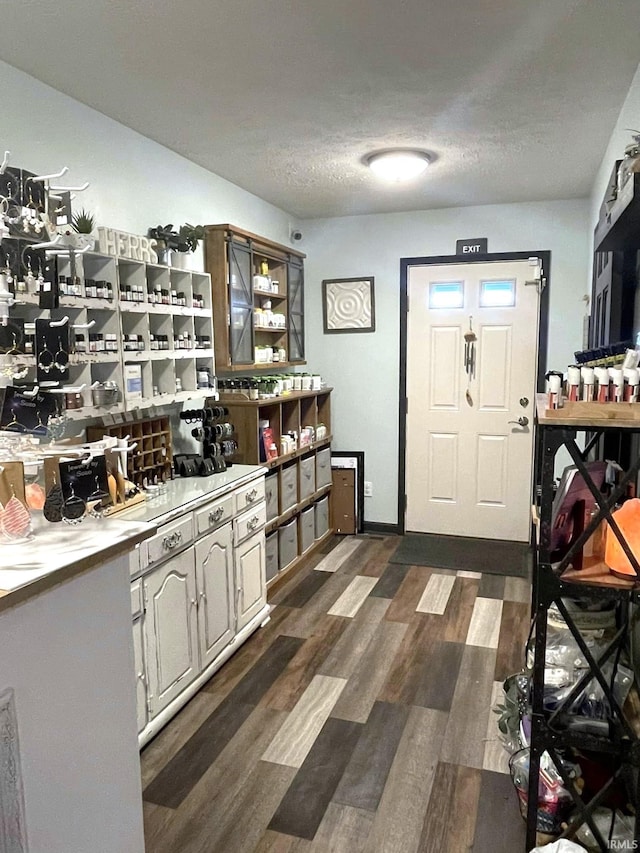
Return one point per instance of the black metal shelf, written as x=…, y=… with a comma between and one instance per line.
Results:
x=551, y=732
x=619, y=229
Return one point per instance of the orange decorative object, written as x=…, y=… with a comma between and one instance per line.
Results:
x=628, y=520
x=34, y=495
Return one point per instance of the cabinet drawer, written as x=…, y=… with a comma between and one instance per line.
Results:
x=169, y=538
x=214, y=514
x=288, y=487
x=136, y=598
x=250, y=522
x=250, y=495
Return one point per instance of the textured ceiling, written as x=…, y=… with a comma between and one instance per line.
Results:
x=516, y=99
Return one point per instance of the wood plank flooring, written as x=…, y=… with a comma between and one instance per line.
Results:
x=358, y=720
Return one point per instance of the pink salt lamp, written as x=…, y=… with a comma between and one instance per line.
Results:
x=628, y=520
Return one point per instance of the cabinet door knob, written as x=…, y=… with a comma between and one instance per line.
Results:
x=251, y=496
x=253, y=522
x=216, y=515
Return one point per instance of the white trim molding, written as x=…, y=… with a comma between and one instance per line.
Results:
x=13, y=837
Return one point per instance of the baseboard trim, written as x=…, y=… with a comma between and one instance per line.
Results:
x=384, y=529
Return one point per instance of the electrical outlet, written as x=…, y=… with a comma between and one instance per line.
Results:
x=368, y=489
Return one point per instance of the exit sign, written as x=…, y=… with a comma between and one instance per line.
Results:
x=472, y=247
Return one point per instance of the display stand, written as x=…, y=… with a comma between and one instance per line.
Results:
x=552, y=732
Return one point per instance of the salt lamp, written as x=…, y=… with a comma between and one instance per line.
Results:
x=628, y=520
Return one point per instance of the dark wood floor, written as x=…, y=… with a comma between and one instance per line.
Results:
x=357, y=720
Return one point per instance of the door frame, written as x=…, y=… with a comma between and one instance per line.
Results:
x=442, y=260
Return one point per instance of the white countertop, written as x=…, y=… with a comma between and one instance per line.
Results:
x=187, y=493
x=56, y=552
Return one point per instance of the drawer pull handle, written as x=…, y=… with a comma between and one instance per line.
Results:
x=216, y=515
x=253, y=522
x=172, y=540
x=251, y=496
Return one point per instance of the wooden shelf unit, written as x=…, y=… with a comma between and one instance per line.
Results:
x=233, y=257
x=152, y=459
x=309, y=465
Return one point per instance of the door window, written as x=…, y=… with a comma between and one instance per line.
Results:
x=446, y=294
x=497, y=294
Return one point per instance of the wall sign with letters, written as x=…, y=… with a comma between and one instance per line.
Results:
x=124, y=245
x=478, y=246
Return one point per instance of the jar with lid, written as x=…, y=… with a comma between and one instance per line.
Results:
x=631, y=162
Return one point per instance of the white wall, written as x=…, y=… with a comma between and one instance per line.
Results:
x=364, y=368
x=68, y=655
x=135, y=183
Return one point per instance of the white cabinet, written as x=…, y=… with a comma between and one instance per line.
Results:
x=171, y=629
x=214, y=576
x=251, y=581
x=141, y=672
x=203, y=580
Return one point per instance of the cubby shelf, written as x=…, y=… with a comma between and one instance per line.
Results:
x=120, y=317
x=299, y=482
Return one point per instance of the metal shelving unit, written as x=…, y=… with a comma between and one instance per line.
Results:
x=554, y=581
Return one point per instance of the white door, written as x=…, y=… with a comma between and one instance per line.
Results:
x=171, y=629
x=214, y=577
x=251, y=582
x=468, y=460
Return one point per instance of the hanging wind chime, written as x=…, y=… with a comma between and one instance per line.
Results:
x=470, y=339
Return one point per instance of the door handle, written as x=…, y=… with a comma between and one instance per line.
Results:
x=522, y=421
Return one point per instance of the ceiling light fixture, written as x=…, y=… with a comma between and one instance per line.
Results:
x=398, y=166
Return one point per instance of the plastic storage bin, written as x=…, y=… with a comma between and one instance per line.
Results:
x=307, y=476
x=271, y=492
x=307, y=529
x=323, y=467
x=288, y=543
x=288, y=486
x=272, y=555
x=321, y=518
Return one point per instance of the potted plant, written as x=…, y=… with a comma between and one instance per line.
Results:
x=174, y=247
x=166, y=241
x=83, y=222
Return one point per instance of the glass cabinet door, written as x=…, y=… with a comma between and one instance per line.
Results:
x=240, y=305
x=295, y=292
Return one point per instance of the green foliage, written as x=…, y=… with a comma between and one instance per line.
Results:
x=191, y=235
x=83, y=222
x=184, y=240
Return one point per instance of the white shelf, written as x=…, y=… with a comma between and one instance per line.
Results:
x=94, y=358
x=87, y=302
x=91, y=411
x=135, y=307
x=161, y=368
x=27, y=299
